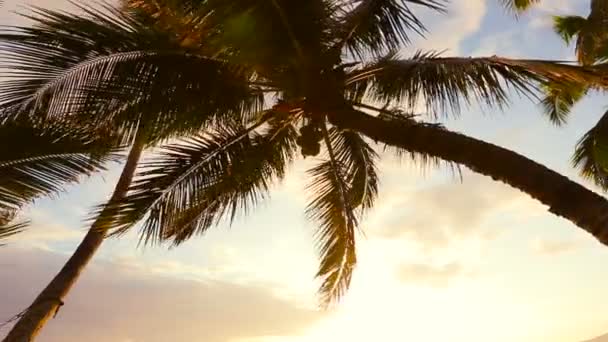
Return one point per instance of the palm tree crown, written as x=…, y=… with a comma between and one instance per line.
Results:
x=591, y=35
x=246, y=85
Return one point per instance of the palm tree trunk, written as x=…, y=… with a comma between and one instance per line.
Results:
x=564, y=197
x=51, y=298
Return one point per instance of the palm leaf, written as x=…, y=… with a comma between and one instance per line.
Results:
x=358, y=159
x=591, y=154
x=6, y=228
x=568, y=27
x=9, y=230
x=445, y=83
x=518, y=5
x=102, y=66
x=378, y=26
x=43, y=160
x=178, y=17
x=343, y=186
x=193, y=184
x=285, y=30
x=559, y=100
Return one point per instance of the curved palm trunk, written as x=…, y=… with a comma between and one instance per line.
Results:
x=51, y=298
x=564, y=197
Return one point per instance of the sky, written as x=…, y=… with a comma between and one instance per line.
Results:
x=442, y=258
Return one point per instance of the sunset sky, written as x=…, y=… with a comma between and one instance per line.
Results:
x=441, y=260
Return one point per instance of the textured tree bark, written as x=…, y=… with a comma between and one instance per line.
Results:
x=48, y=302
x=564, y=197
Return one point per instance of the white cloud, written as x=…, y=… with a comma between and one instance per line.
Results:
x=447, y=31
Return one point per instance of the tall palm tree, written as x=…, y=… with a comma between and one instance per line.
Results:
x=53, y=69
x=321, y=77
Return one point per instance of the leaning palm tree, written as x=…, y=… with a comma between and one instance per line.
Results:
x=52, y=73
x=318, y=77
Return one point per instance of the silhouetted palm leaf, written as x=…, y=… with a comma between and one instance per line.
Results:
x=569, y=27
x=191, y=185
x=43, y=160
x=559, y=100
x=591, y=153
x=343, y=186
x=9, y=230
x=111, y=68
x=519, y=5
x=444, y=83
x=378, y=26
x=359, y=161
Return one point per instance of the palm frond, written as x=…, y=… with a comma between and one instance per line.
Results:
x=591, y=154
x=41, y=161
x=190, y=27
x=559, y=100
x=568, y=27
x=343, y=187
x=8, y=230
x=101, y=66
x=285, y=30
x=592, y=39
x=190, y=186
x=358, y=159
x=378, y=26
x=518, y=5
x=445, y=83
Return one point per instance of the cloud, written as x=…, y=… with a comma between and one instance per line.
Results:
x=433, y=275
x=447, y=31
x=449, y=210
x=531, y=34
x=117, y=302
x=554, y=247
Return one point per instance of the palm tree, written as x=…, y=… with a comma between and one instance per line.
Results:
x=318, y=76
x=591, y=32
x=53, y=68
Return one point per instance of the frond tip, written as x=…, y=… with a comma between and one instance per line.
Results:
x=568, y=27
x=519, y=6
x=7, y=230
x=559, y=100
x=378, y=26
x=591, y=154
